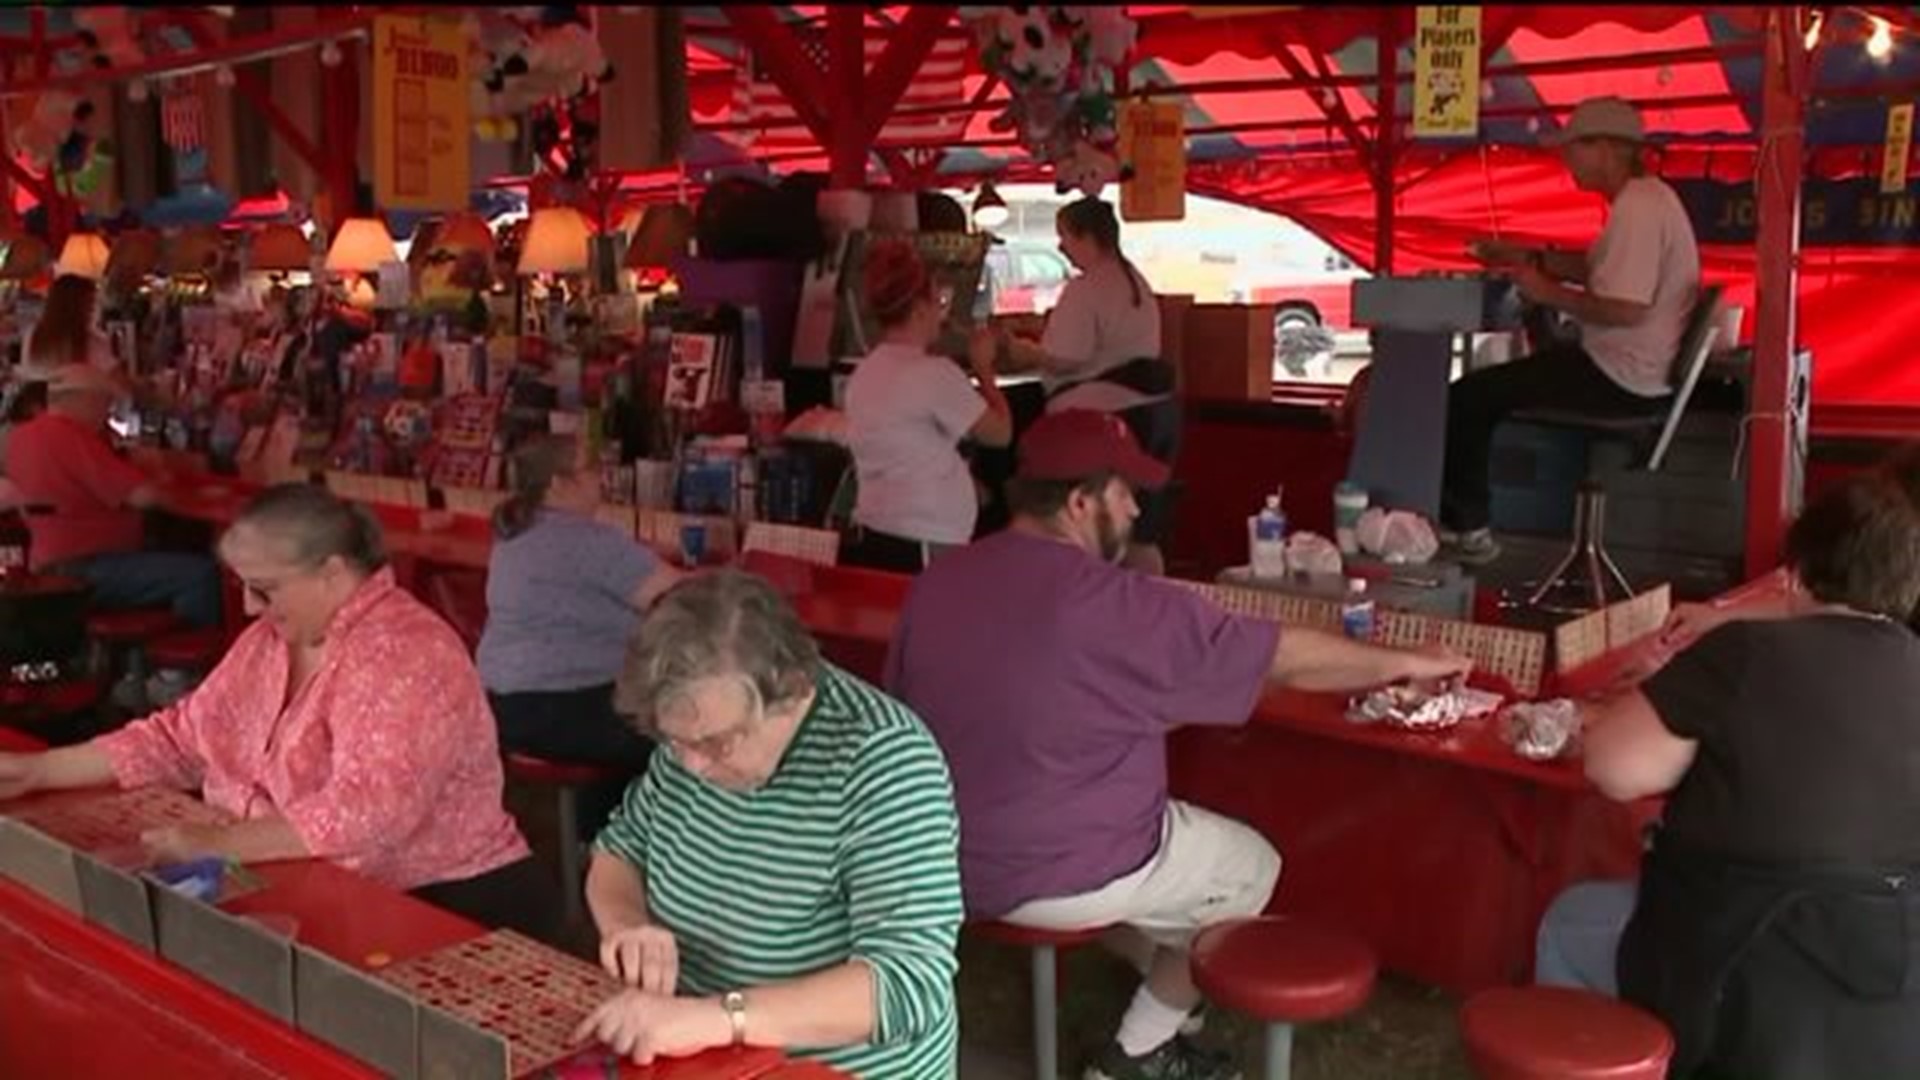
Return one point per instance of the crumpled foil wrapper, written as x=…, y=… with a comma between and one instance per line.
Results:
x=1542, y=730
x=1416, y=710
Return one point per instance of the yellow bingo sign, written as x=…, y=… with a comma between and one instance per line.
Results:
x=1446, y=71
x=421, y=132
x=1153, y=139
x=1893, y=163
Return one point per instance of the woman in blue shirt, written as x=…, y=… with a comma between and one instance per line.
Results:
x=564, y=592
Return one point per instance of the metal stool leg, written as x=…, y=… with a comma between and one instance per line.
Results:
x=572, y=875
x=1046, y=1034
x=1279, y=1063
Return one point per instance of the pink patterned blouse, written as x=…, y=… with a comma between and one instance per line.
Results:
x=387, y=762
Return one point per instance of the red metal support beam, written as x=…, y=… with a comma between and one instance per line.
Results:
x=234, y=50
x=1336, y=112
x=1386, y=143
x=846, y=88
x=257, y=94
x=907, y=49
x=340, y=119
x=1771, y=502
x=783, y=62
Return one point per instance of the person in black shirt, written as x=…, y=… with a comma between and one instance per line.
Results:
x=1768, y=928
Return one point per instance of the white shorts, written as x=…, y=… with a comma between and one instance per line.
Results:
x=1209, y=868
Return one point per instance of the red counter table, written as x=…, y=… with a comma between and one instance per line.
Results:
x=1442, y=850
x=78, y=1001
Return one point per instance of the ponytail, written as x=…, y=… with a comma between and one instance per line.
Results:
x=1091, y=218
x=515, y=514
x=535, y=467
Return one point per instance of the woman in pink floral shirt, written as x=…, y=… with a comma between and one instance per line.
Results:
x=346, y=723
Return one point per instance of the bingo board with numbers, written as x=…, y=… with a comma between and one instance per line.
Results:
x=1518, y=656
x=100, y=822
x=530, y=995
x=1579, y=642
x=1630, y=620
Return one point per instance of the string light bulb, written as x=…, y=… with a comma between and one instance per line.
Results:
x=137, y=91
x=1814, y=26
x=1880, y=43
x=330, y=55
x=224, y=76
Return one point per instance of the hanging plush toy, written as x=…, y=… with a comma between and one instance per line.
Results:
x=110, y=35
x=1088, y=170
x=49, y=126
x=1057, y=62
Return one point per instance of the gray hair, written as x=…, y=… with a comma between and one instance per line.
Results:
x=719, y=622
x=317, y=525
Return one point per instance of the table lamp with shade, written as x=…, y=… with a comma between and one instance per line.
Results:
x=85, y=254
x=664, y=236
x=989, y=207
x=558, y=243
x=361, y=247
x=277, y=249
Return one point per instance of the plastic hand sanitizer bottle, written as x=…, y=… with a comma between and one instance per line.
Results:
x=1356, y=615
x=1268, y=558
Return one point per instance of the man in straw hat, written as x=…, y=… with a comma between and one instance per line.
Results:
x=1630, y=295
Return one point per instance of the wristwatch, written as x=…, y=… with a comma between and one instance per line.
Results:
x=735, y=1003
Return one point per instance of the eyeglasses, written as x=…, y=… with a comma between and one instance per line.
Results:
x=682, y=711
x=263, y=592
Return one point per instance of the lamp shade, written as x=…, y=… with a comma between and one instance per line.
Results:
x=136, y=253
x=279, y=247
x=557, y=242
x=665, y=233
x=85, y=254
x=989, y=208
x=193, y=251
x=361, y=246
x=465, y=232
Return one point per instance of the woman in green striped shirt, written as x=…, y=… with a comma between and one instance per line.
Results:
x=787, y=874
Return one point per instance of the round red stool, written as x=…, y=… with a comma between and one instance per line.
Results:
x=190, y=650
x=1284, y=971
x=1043, y=949
x=566, y=779
x=1556, y=1033
x=129, y=631
x=134, y=626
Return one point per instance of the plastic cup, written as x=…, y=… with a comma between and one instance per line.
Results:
x=693, y=543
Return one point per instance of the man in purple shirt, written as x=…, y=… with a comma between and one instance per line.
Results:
x=1051, y=677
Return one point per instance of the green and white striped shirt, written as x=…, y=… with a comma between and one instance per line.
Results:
x=851, y=850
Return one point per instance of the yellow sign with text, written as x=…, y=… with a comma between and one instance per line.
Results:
x=421, y=131
x=1893, y=162
x=1446, y=71
x=1153, y=139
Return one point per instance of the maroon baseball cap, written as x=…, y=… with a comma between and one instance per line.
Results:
x=1074, y=444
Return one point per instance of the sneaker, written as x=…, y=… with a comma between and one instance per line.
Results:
x=1175, y=1059
x=1474, y=547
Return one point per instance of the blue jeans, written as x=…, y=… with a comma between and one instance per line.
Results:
x=185, y=582
x=1580, y=933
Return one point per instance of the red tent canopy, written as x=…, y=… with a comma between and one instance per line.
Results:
x=1263, y=133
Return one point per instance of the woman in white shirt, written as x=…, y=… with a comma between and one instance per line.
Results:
x=907, y=411
x=1101, y=351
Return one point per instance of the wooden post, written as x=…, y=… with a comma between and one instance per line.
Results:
x=1784, y=79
